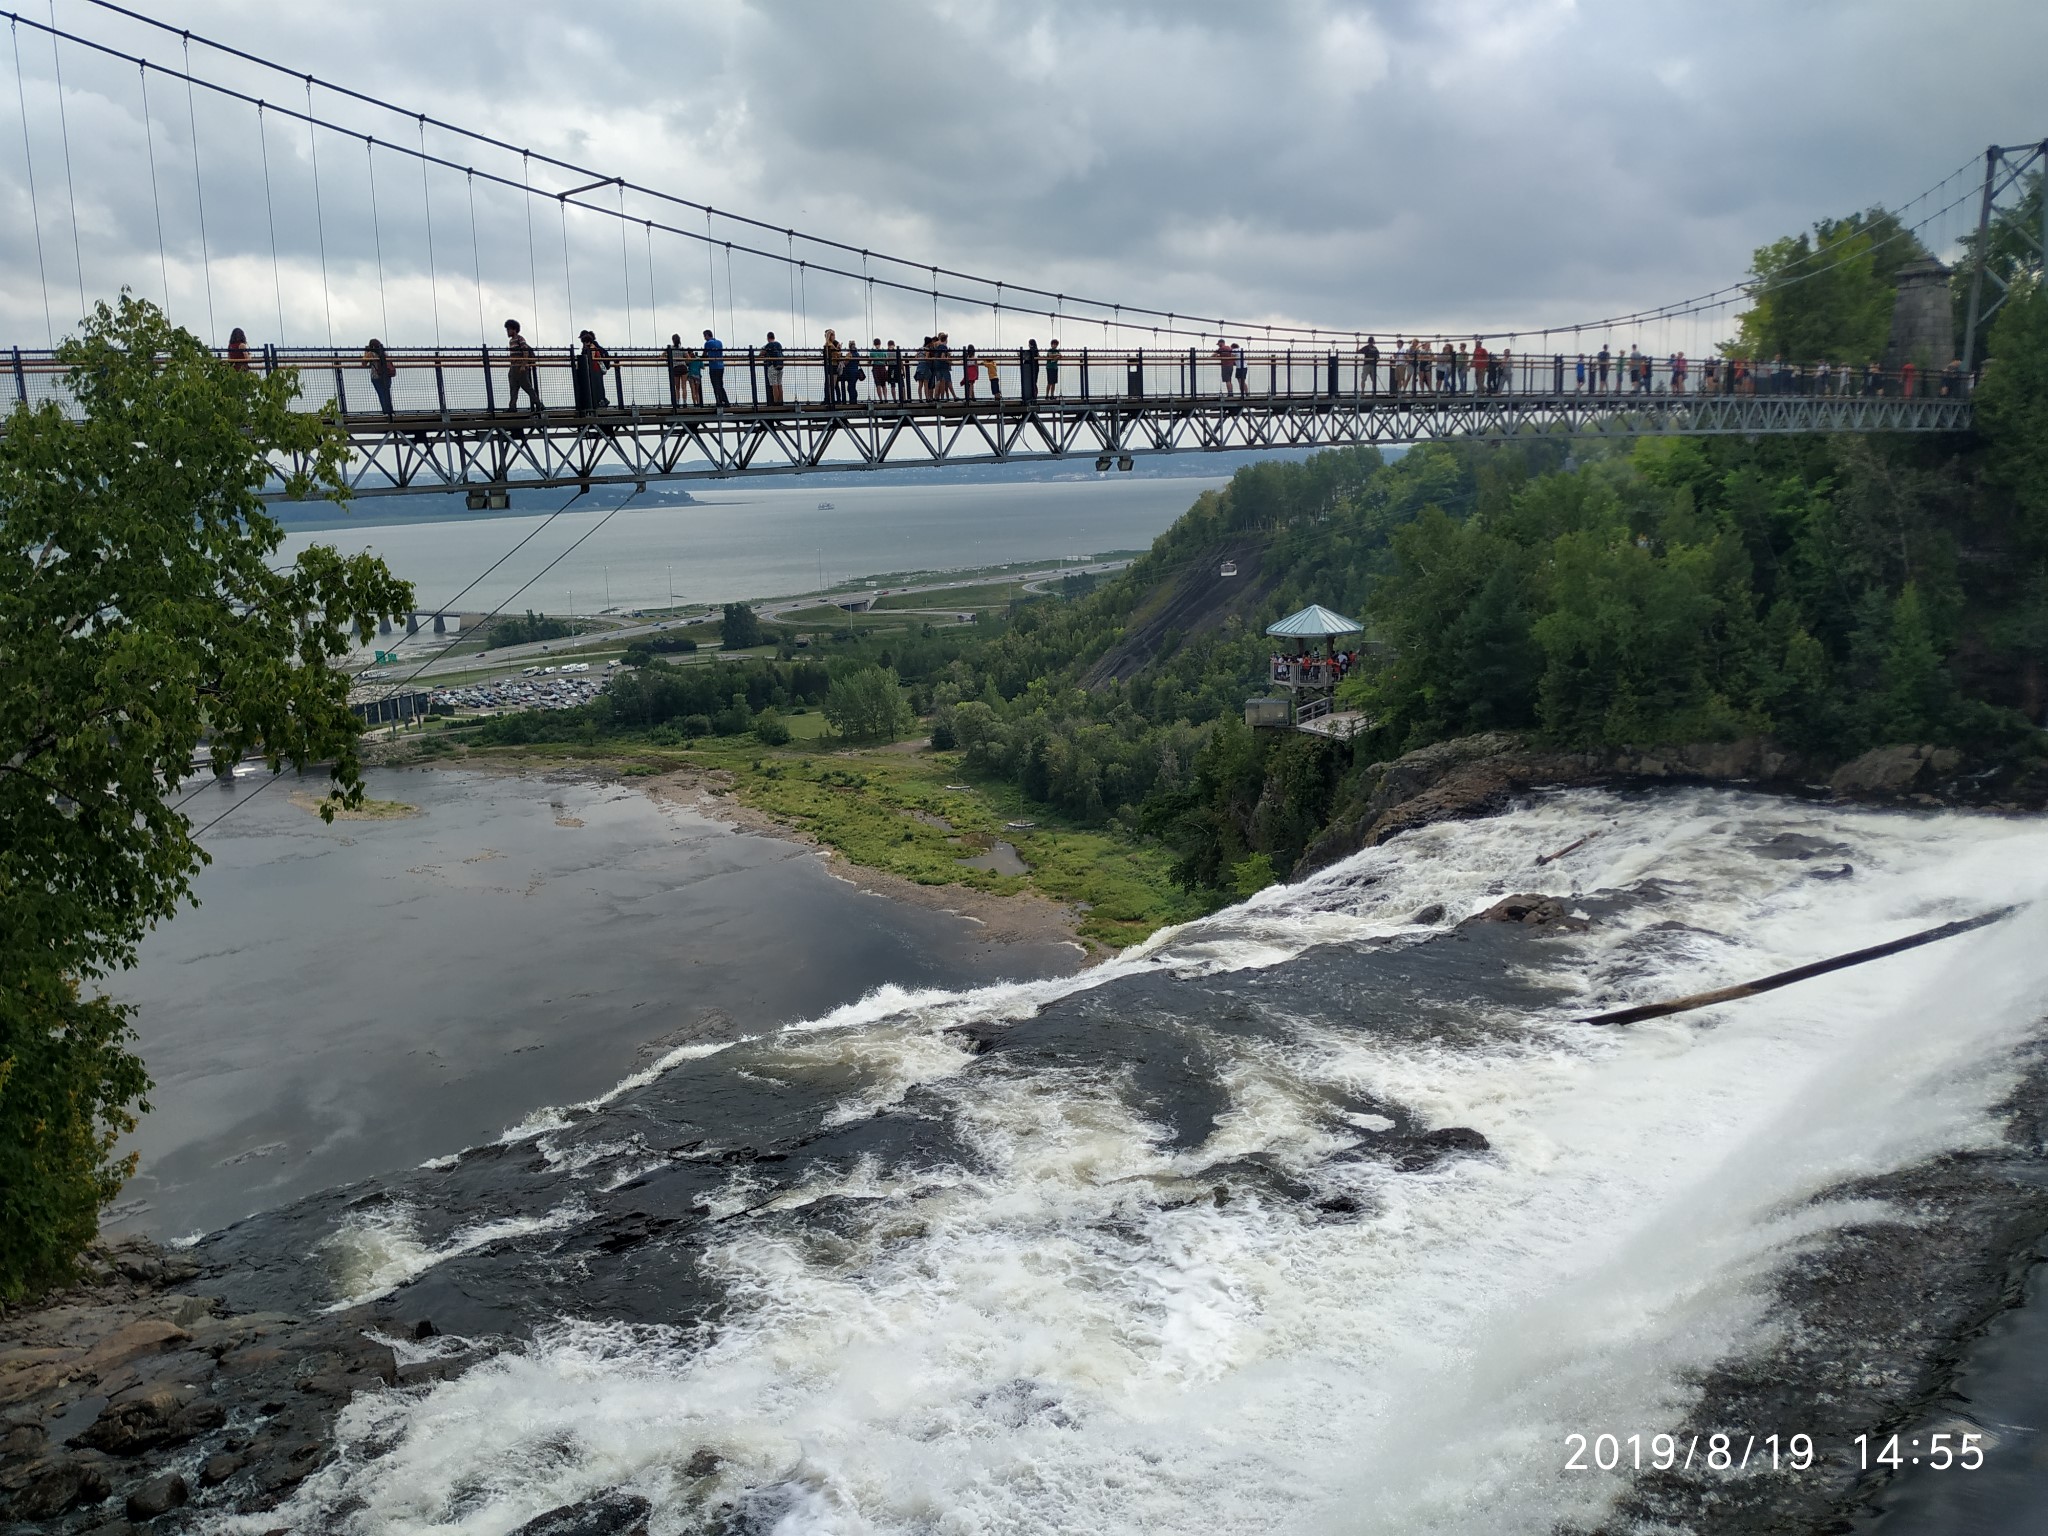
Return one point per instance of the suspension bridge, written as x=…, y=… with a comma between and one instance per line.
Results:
x=486, y=418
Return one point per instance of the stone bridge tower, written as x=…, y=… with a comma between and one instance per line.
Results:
x=1923, y=325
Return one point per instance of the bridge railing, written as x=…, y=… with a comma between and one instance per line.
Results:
x=478, y=381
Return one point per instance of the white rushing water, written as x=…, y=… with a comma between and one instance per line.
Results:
x=1058, y=1340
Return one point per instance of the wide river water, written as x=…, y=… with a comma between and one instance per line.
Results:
x=1162, y=1247
x=752, y=541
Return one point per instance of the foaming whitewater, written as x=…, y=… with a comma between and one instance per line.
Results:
x=1117, y=1254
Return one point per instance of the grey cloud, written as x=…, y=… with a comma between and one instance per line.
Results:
x=1496, y=163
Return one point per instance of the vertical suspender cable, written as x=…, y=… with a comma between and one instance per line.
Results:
x=710, y=270
x=625, y=265
x=156, y=201
x=199, y=190
x=477, y=260
x=64, y=128
x=568, y=288
x=790, y=268
x=270, y=218
x=35, y=210
x=732, y=317
x=427, y=202
x=377, y=234
x=653, y=313
x=319, y=214
x=532, y=271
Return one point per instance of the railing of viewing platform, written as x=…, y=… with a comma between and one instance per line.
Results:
x=474, y=382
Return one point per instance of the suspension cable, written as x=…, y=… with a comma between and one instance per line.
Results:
x=732, y=315
x=64, y=129
x=320, y=215
x=1116, y=309
x=270, y=218
x=199, y=190
x=35, y=208
x=156, y=201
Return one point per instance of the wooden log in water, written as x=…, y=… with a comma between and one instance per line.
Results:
x=1798, y=973
x=1551, y=858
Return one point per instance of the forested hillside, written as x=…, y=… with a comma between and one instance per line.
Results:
x=1828, y=594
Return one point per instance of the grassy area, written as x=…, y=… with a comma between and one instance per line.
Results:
x=859, y=803
x=993, y=594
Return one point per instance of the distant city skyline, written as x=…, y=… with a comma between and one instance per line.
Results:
x=1447, y=167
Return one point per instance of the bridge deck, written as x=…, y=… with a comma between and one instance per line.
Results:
x=449, y=432
x=469, y=451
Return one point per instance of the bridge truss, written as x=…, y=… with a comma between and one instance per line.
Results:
x=486, y=454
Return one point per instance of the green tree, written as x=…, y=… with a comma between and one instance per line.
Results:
x=141, y=620
x=868, y=705
x=740, y=628
x=1828, y=295
x=771, y=729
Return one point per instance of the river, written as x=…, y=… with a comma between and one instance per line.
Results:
x=1167, y=1245
x=751, y=541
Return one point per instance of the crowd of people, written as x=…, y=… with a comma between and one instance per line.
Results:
x=934, y=371
x=1314, y=671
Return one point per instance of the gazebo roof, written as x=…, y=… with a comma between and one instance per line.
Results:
x=1315, y=622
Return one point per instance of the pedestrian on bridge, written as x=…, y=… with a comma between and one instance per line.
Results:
x=382, y=372
x=828, y=357
x=995, y=381
x=1027, y=365
x=1447, y=370
x=520, y=376
x=970, y=371
x=693, y=374
x=714, y=364
x=1605, y=357
x=1397, y=368
x=238, y=350
x=591, y=362
x=1243, y=390
x=771, y=368
x=1052, y=370
x=1225, y=360
x=1369, y=365
x=1582, y=373
x=878, y=368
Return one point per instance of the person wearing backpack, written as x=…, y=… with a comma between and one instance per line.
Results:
x=382, y=372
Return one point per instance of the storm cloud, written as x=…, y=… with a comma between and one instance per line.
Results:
x=1450, y=166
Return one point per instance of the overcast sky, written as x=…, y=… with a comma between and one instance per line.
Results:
x=1434, y=165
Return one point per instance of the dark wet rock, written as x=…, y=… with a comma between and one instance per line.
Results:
x=1254, y=1175
x=704, y=1463
x=608, y=1514
x=1483, y=775
x=49, y=1485
x=1841, y=873
x=1413, y=1152
x=1896, y=770
x=160, y=1495
x=1433, y=913
x=1797, y=845
x=1549, y=914
x=150, y=1418
x=218, y=1468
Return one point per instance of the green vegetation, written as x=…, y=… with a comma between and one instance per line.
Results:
x=992, y=594
x=512, y=629
x=740, y=628
x=140, y=619
x=1831, y=594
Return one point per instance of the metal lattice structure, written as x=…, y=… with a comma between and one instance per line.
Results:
x=475, y=454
